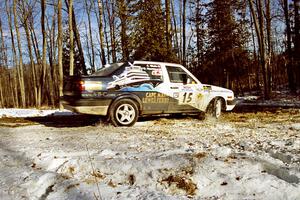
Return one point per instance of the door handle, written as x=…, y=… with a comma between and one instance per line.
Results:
x=174, y=88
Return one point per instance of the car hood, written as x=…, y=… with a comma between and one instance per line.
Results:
x=217, y=89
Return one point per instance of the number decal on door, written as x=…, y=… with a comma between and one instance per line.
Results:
x=187, y=97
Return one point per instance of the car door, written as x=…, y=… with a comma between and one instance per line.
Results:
x=154, y=101
x=184, y=90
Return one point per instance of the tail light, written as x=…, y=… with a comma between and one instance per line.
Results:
x=81, y=86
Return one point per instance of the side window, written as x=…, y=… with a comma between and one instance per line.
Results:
x=177, y=75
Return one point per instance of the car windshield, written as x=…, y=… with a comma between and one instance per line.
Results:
x=108, y=69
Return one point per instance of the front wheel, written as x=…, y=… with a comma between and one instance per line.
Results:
x=124, y=112
x=215, y=108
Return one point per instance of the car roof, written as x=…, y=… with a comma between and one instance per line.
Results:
x=155, y=62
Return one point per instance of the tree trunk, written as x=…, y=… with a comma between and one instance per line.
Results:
x=168, y=25
x=257, y=82
x=70, y=9
x=36, y=86
x=269, y=44
x=175, y=29
x=111, y=17
x=60, y=49
x=88, y=52
x=290, y=73
x=88, y=11
x=184, y=33
x=1, y=92
x=44, y=63
x=3, y=48
x=106, y=35
x=259, y=28
x=52, y=72
x=124, y=20
x=297, y=41
x=20, y=65
x=101, y=34
x=77, y=39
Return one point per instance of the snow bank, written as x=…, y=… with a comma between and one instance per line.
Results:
x=13, y=112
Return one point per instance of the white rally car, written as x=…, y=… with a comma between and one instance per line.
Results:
x=125, y=91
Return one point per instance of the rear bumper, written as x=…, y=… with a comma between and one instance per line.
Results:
x=87, y=106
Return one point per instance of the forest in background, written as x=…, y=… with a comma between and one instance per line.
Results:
x=244, y=45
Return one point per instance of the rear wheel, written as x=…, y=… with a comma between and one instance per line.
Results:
x=124, y=112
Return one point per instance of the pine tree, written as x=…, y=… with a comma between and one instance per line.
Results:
x=226, y=38
x=149, y=38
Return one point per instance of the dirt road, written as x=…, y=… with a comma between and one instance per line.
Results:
x=241, y=156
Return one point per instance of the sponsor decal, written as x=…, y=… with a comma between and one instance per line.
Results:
x=154, y=97
x=207, y=88
x=98, y=94
x=92, y=85
x=140, y=88
x=176, y=95
x=156, y=72
x=200, y=96
x=186, y=88
x=131, y=75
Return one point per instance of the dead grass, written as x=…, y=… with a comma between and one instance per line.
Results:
x=98, y=174
x=200, y=155
x=267, y=117
x=15, y=122
x=183, y=183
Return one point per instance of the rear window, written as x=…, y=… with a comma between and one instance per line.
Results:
x=110, y=69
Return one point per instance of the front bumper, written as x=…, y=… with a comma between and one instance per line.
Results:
x=230, y=104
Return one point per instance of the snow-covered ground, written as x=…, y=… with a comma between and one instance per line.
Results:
x=242, y=156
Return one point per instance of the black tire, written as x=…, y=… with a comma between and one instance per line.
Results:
x=215, y=108
x=124, y=112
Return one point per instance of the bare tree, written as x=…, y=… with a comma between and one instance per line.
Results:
x=289, y=45
x=44, y=63
x=26, y=12
x=110, y=6
x=269, y=44
x=99, y=16
x=20, y=65
x=88, y=7
x=168, y=24
x=60, y=48
x=297, y=40
x=184, y=33
x=71, y=37
x=77, y=38
x=176, y=45
x=259, y=29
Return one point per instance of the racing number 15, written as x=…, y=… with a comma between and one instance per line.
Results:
x=187, y=97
